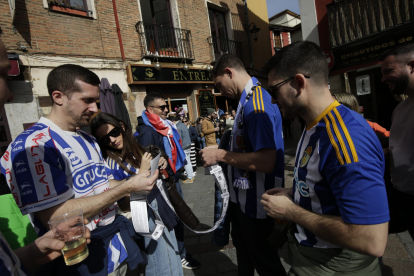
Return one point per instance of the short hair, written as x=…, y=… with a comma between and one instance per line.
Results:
x=63, y=78
x=403, y=49
x=349, y=100
x=225, y=61
x=149, y=98
x=174, y=118
x=302, y=57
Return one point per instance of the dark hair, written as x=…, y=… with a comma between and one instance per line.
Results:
x=63, y=78
x=149, y=98
x=303, y=57
x=199, y=119
x=226, y=61
x=174, y=118
x=131, y=152
x=403, y=49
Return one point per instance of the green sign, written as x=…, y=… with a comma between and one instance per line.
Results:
x=142, y=74
x=206, y=100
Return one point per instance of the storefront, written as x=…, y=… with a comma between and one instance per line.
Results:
x=192, y=89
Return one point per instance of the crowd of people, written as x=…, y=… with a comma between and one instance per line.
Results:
x=334, y=218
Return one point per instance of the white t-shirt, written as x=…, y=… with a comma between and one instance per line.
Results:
x=402, y=146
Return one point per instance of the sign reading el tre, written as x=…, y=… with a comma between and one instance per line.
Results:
x=142, y=74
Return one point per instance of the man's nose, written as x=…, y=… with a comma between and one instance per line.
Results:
x=93, y=107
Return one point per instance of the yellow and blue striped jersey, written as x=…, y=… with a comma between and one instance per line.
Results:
x=339, y=170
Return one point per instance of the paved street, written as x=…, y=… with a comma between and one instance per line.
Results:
x=398, y=259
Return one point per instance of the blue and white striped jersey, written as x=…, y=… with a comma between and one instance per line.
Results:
x=262, y=129
x=46, y=166
x=339, y=171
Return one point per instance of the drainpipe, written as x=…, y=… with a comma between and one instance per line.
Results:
x=248, y=35
x=118, y=30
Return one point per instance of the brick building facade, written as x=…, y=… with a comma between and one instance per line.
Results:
x=47, y=34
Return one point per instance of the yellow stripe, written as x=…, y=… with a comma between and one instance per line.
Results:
x=328, y=109
x=339, y=137
x=254, y=103
x=259, y=108
x=348, y=137
x=261, y=98
x=338, y=154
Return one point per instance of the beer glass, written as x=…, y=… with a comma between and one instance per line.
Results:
x=70, y=229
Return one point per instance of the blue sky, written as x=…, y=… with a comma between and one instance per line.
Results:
x=276, y=6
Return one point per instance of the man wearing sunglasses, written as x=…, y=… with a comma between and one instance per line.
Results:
x=338, y=202
x=52, y=169
x=154, y=129
x=255, y=159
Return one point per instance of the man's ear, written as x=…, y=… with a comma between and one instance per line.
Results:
x=57, y=97
x=228, y=71
x=300, y=80
x=411, y=64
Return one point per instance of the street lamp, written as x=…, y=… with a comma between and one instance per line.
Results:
x=254, y=30
x=157, y=65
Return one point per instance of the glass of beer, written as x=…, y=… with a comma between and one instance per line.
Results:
x=70, y=229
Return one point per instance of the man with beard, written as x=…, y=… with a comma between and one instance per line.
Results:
x=154, y=129
x=255, y=163
x=338, y=202
x=398, y=72
x=54, y=169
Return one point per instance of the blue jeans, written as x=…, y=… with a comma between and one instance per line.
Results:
x=201, y=142
x=188, y=168
x=218, y=141
x=179, y=228
x=163, y=254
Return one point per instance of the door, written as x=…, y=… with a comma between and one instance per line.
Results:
x=218, y=33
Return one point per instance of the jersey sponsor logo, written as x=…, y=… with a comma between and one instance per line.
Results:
x=102, y=215
x=17, y=142
x=6, y=155
x=40, y=170
x=25, y=185
x=19, y=163
x=301, y=186
x=28, y=192
x=17, y=148
x=75, y=160
x=306, y=157
x=28, y=131
x=21, y=170
x=86, y=177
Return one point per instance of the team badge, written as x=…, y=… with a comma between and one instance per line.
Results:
x=306, y=156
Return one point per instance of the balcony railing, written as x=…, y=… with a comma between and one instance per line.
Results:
x=220, y=46
x=161, y=41
x=350, y=20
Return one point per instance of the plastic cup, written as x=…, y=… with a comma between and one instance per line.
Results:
x=70, y=229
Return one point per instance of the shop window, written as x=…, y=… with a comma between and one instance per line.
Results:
x=5, y=138
x=84, y=8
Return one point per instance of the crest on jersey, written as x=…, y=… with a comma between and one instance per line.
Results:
x=306, y=157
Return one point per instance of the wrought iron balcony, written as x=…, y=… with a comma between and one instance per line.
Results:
x=160, y=41
x=350, y=20
x=220, y=46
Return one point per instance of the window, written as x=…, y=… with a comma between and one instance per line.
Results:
x=77, y=7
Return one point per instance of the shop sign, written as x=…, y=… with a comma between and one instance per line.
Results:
x=138, y=74
x=366, y=52
x=205, y=99
x=363, y=85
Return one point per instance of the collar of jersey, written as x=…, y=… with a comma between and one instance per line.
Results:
x=326, y=111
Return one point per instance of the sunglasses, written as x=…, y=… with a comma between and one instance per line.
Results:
x=162, y=107
x=273, y=89
x=105, y=140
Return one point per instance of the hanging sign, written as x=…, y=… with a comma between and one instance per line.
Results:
x=363, y=85
x=205, y=99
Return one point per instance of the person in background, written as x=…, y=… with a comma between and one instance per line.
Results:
x=219, y=112
x=155, y=129
x=338, y=202
x=233, y=113
x=255, y=159
x=398, y=73
x=186, y=143
x=350, y=101
x=193, y=137
x=125, y=158
x=199, y=128
x=209, y=129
